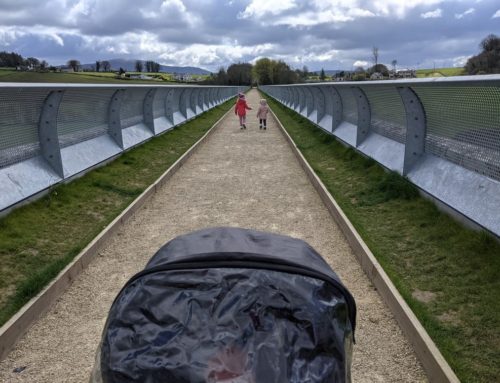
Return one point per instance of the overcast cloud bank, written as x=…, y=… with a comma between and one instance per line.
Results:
x=330, y=34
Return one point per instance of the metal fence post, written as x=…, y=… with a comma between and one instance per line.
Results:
x=337, y=108
x=148, y=104
x=169, y=106
x=47, y=132
x=415, y=127
x=114, y=121
x=364, y=115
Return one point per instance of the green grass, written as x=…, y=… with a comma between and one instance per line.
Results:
x=79, y=77
x=441, y=72
x=40, y=239
x=425, y=252
x=11, y=75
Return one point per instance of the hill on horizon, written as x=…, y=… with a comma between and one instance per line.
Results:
x=129, y=65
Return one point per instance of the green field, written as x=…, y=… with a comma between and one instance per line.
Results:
x=449, y=275
x=441, y=72
x=40, y=239
x=10, y=75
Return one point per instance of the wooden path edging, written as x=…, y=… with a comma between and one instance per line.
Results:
x=20, y=323
x=435, y=366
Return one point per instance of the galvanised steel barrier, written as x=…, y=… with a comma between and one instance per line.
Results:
x=52, y=132
x=443, y=134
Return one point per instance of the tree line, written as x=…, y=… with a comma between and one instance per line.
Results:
x=488, y=61
x=15, y=60
x=265, y=71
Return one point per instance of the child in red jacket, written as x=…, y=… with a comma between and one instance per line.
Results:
x=241, y=110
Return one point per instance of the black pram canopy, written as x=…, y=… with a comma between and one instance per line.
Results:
x=230, y=305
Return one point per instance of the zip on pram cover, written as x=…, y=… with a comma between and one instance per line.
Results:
x=230, y=305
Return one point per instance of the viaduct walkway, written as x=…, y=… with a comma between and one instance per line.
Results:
x=239, y=178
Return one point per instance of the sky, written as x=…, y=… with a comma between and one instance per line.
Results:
x=329, y=34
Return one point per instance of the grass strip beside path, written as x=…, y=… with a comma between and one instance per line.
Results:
x=448, y=274
x=38, y=240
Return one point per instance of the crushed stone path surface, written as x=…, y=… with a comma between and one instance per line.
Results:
x=245, y=178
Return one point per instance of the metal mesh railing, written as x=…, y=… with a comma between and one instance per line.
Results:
x=132, y=109
x=349, y=105
x=20, y=113
x=159, y=103
x=463, y=126
x=83, y=115
x=388, y=117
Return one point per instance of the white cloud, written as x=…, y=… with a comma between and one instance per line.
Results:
x=316, y=18
x=462, y=15
x=360, y=63
x=260, y=8
x=177, y=5
x=496, y=15
x=399, y=8
x=432, y=14
x=460, y=61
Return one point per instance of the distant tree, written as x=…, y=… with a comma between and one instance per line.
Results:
x=138, y=66
x=97, y=66
x=32, y=62
x=121, y=71
x=239, y=74
x=375, y=55
x=488, y=61
x=106, y=66
x=152, y=66
x=490, y=43
x=282, y=73
x=263, y=72
x=43, y=65
x=221, y=77
x=380, y=68
x=11, y=60
x=322, y=75
x=74, y=64
x=305, y=72
x=394, y=63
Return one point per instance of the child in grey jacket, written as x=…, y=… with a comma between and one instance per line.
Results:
x=262, y=114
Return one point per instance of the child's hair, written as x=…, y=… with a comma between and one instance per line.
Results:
x=263, y=101
x=241, y=95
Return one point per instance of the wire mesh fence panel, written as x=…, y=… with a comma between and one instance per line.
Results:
x=349, y=105
x=132, y=107
x=19, y=117
x=388, y=117
x=463, y=126
x=159, y=103
x=83, y=115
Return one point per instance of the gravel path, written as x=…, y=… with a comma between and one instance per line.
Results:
x=237, y=178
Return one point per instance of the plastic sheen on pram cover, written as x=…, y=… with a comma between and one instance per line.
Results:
x=229, y=305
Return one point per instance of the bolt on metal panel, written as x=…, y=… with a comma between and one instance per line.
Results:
x=364, y=115
x=148, y=104
x=184, y=101
x=47, y=132
x=114, y=121
x=296, y=98
x=337, y=107
x=415, y=128
x=193, y=101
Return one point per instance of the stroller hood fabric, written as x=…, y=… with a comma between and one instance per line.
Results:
x=230, y=305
